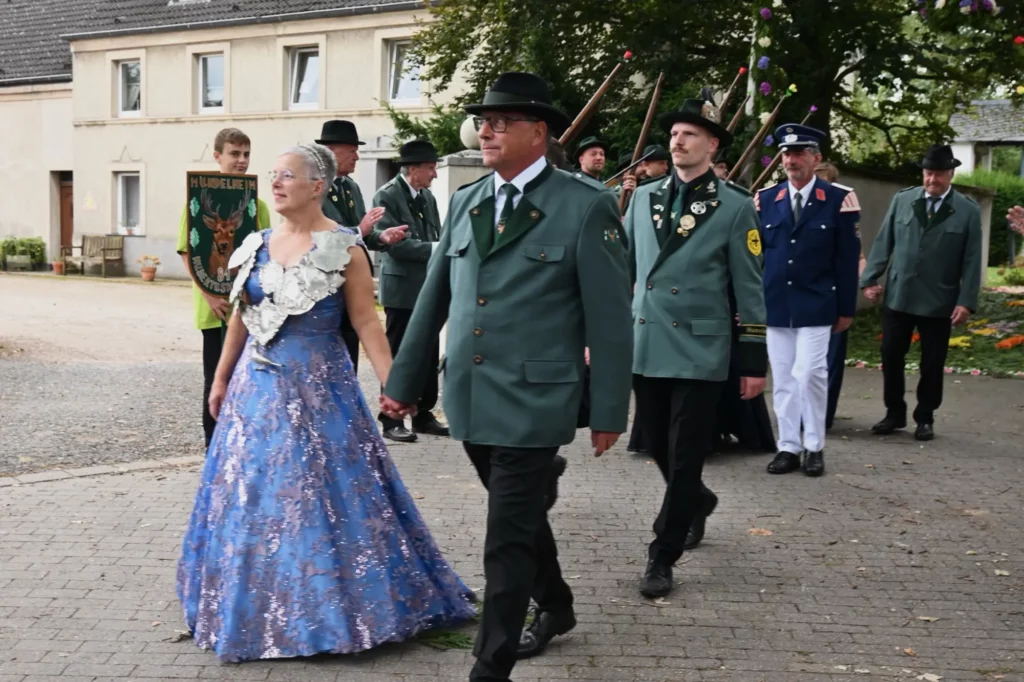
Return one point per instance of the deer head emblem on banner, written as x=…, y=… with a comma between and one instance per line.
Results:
x=223, y=234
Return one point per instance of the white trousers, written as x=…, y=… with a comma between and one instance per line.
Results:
x=799, y=360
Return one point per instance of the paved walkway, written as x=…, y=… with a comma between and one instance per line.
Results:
x=905, y=561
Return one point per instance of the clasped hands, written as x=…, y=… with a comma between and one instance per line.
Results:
x=601, y=440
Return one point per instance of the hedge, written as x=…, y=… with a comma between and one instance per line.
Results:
x=1009, y=192
x=24, y=246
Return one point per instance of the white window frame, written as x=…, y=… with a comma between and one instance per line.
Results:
x=201, y=61
x=392, y=49
x=294, y=54
x=121, y=111
x=120, y=227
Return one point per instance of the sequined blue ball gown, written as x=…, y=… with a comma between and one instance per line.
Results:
x=303, y=538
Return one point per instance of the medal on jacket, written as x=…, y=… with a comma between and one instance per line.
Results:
x=698, y=208
x=686, y=224
x=501, y=226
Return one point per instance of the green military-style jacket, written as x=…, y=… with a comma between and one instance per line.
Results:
x=347, y=208
x=521, y=312
x=932, y=267
x=403, y=265
x=589, y=179
x=682, y=321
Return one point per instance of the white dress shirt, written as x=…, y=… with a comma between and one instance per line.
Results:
x=415, y=192
x=520, y=181
x=805, y=195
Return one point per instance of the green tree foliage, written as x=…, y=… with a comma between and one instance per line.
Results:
x=1009, y=192
x=441, y=128
x=882, y=70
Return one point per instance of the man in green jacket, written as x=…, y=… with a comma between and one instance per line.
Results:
x=343, y=203
x=691, y=236
x=407, y=200
x=931, y=241
x=529, y=272
x=591, y=156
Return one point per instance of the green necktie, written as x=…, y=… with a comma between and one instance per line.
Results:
x=675, y=216
x=932, y=202
x=510, y=191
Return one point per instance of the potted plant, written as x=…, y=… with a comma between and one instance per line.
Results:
x=148, y=264
x=58, y=267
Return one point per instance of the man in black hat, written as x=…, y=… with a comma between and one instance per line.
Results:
x=931, y=241
x=691, y=236
x=654, y=165
x=407, y=200
x=530, y=271
x=343, y=203
x=590, y=155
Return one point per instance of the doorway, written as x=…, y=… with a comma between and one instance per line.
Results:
x=67, y=208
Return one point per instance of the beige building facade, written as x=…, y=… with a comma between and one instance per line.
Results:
x=143, y=109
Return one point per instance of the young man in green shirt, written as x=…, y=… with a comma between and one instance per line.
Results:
x=231, y=149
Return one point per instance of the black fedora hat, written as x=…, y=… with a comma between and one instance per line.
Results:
x=590, y=143
x=339, y=132
x=525, y=93
x=939, y=157
x=655, y=152
x=416, y=151
x=701, y=113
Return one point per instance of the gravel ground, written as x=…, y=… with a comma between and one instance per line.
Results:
x=97, y=372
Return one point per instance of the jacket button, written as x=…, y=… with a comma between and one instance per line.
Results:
x=790, y=262
x=792, y=241
x=478, y=332
x=650, y=286
x=543, y=255
x=674, y=323
x=478, y=359
x=789, y=283
x=675, y=291
x=481, y=301
x=642, y=320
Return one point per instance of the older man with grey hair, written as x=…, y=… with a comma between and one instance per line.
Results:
x=407, y=200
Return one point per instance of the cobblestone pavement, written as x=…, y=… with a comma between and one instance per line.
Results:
x=904, y=562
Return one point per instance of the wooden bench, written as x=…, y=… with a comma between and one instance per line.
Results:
x=96, y=249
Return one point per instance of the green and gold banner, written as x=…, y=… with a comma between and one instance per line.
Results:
x=221, y=213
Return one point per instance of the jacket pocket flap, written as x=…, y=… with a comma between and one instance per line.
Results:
x=710, y=327
x=958, y=227
x=548, y=253
x=551, y=371
x=458, y=246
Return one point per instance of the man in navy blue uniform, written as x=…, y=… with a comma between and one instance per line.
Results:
x=811, y=247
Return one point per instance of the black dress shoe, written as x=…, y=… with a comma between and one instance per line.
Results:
x=400, y=434
x=814, y=463
x=558, y=465
x=924, y=432
x=889, y=425
x=546, y=626
x=696, y=533
x=657, y=581
x=784, y=463
x=430, y=426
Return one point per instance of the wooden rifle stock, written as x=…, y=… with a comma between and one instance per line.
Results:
x=581, y=120
x=642, y=140
x=757, y=140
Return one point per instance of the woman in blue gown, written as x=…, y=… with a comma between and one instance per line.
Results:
x=303, y=538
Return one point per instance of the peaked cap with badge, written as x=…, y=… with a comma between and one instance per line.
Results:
x=797, y=136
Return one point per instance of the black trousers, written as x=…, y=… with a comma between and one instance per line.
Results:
x=397, y=321
x=213, y=343
x=897, y=330
x=520, y=557
x=678, y=423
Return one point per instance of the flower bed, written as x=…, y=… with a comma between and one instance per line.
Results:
x=991, y=344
